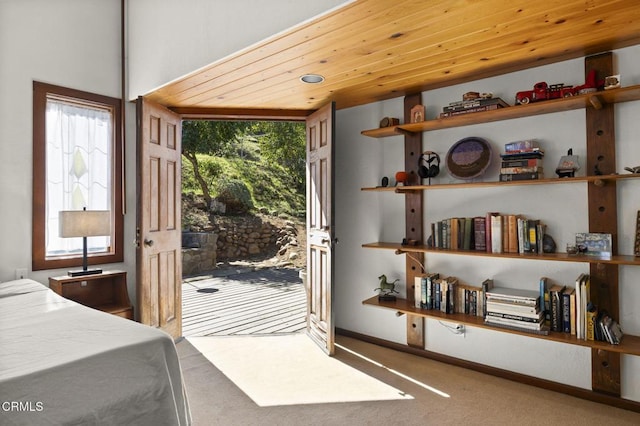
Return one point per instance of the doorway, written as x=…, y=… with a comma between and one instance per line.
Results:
x=244, y=246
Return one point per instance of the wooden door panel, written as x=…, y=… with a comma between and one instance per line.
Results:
x=152, y=316
x=154, y=194
x=172, y=178
x=159, y=215
x=320, y=227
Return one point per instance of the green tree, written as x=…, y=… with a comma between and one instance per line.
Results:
x=209, y=137
x=284, y=142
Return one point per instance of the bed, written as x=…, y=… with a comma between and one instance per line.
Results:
x=65, y=363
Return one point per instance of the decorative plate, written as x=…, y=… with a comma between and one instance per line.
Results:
x=469, y=158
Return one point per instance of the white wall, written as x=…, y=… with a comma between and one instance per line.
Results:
x=76, y=43
x=363, y=217
x=171, y=38
x=71, y=43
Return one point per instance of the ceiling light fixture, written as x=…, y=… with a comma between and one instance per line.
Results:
x=312, y=78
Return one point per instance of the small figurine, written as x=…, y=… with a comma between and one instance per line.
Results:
x=386, y=288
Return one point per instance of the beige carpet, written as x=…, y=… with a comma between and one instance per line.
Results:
x=290, y=369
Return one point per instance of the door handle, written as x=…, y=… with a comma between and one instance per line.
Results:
x=148, y=243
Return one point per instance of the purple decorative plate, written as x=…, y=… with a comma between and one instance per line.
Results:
x=469, y=158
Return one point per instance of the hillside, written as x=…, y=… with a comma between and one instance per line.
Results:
x=260, y=185
x=249, y=186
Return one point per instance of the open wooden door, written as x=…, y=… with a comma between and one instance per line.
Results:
x=320, y=230
x=158, y=232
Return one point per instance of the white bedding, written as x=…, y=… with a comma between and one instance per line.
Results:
x=64, y=363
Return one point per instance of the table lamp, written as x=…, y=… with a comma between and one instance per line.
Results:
x=84, y=223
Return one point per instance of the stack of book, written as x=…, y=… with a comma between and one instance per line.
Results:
x=515, y=309
x=473, y=105
x=522, y=160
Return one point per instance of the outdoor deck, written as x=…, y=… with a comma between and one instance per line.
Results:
x=266, y=301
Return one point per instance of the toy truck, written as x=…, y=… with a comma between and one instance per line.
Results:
x=543, y=91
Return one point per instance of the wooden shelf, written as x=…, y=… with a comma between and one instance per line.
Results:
x=629, y=345
x=594, y=100
x=598, y=180
x=559, y=257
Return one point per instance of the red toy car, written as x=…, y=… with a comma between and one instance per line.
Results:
x=542, y=91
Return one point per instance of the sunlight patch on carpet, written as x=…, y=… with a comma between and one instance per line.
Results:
x=290, y=369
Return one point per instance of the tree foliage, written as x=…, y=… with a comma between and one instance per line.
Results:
x=264, y=154
x=284, y=143
x=209, y=137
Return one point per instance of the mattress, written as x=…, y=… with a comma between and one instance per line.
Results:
x=65, y=363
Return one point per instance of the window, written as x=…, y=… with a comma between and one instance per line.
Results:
x=77, y=163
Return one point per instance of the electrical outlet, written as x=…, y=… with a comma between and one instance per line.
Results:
x=21, y=273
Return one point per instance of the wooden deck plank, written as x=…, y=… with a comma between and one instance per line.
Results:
x=255, y=305
x=243, y=318
x=223, y=305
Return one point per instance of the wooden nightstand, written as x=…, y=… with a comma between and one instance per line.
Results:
x=106, y=291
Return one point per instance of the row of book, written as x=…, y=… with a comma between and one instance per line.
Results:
x=448, y=295
x=553, y=307
x=570, y=310
x=493, y=233
x=521, y=160
x=471, y=106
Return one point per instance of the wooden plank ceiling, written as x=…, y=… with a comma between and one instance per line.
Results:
x=371, y=50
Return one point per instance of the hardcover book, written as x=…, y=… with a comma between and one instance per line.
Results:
x=474, y=103
x=469, y=110
x=522, y=155
x=523, y=145
x=496, y=305
x=496, y=234
x=514, y=323
x=513, y=170
x=519, y=177
x=515, y=294
x=487, y=285
x=566, y=309
x=479, y=229
x=522, y=162
x=555, y=296
x=535, y=319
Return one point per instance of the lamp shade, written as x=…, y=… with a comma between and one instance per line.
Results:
x=84, y=223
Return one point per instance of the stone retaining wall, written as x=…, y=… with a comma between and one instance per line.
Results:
x=234, y=238
x=199, y=252
x=241, y=237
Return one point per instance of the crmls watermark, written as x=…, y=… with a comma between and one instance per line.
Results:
x=21, y=406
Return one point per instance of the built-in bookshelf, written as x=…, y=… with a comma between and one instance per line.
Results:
x=602, y=207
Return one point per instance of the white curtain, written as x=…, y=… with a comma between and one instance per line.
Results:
x=78, y=160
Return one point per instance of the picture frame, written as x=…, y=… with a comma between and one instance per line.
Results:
x=418, y=113
x=594, y=244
